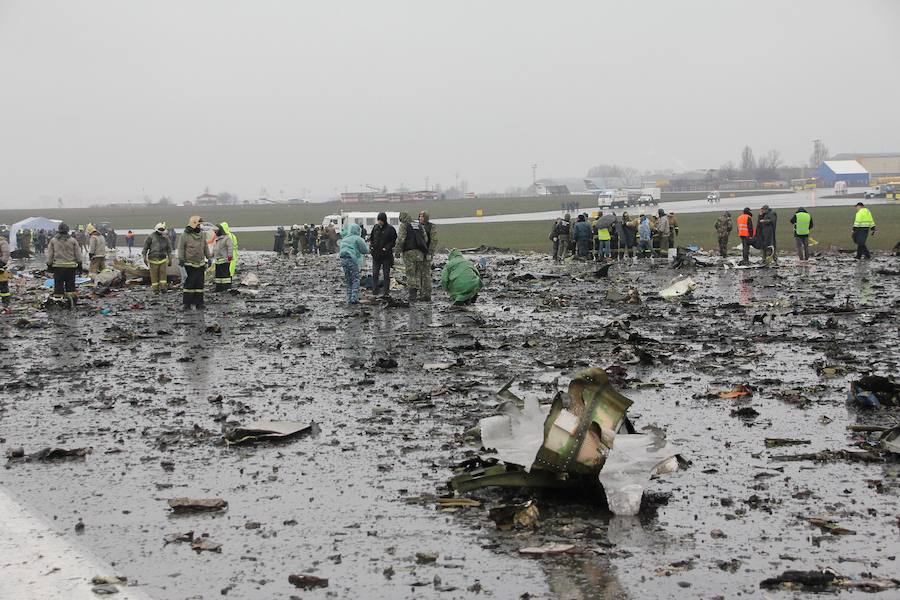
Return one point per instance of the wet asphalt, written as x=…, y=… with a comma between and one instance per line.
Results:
x=149, y=388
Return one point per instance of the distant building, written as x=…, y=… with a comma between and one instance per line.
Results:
x=206, y=199
x=849, y=171
x=358, y=197
x=878, y=164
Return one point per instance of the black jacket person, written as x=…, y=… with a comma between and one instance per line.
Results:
x=381, y=245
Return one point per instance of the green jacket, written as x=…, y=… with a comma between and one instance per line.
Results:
x=459, y=278
x=234, y=244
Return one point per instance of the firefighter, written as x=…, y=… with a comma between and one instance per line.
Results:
x=64, y=258
x=96, y=250
x=193, y=255
x=157, y=255
x=223, y=254
x=4, y=272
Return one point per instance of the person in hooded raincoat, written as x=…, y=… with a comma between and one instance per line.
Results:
x=582, y=234
x=223, y=255
x=351, y=250
x=234, y=245
x=460, y=279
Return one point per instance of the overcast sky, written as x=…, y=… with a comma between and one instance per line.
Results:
x=107, y=100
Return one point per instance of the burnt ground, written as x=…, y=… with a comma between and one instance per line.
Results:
x=150, y=388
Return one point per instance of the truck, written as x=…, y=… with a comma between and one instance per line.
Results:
x=613, y=199
x=649, y=195
x=624, y=198
x=882, y=190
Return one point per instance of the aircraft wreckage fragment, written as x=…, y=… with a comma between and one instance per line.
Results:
x=580, y=437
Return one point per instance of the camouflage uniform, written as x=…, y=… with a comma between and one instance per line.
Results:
x=425, y=275
x=563, y=235
x=723, y=229
x=413, y=250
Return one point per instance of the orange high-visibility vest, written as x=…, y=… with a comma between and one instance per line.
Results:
x=744, y=226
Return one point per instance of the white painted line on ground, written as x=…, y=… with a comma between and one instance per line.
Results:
x=37, y=563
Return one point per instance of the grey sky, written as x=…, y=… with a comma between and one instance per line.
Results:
x=103, y=99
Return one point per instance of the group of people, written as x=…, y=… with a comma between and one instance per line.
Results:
x=196, y=252
x=416, y=242
x=25, y=238
x=307, y=239
x=762, y=237
x=611, y=237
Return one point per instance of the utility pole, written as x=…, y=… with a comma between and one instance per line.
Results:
x=426, y=183
x=534, y=175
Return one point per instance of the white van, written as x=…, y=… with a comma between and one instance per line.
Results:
x=363, y=219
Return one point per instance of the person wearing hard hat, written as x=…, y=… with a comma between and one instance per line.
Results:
x=96, y=250
x=64, y=257
x=157, y=255
x=223, y=254
x=193, y=255
x=4, y=271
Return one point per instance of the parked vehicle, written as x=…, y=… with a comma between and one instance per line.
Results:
x=613, y=199
x=363, y=219
x=624, y=198
x=840, y=188
x=713, y=197
x=882, y=190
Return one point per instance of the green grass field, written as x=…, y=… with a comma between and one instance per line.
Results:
x=831, y=227
x=832, y=224
x=142, y=216
x=145, y=217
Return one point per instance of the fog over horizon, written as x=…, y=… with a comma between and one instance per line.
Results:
x=109, y=101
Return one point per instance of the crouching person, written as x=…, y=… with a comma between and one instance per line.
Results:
x=460, y=279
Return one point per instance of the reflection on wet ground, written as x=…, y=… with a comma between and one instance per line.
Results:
x=355, y=504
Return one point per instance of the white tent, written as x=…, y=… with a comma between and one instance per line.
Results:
x=31, y=223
